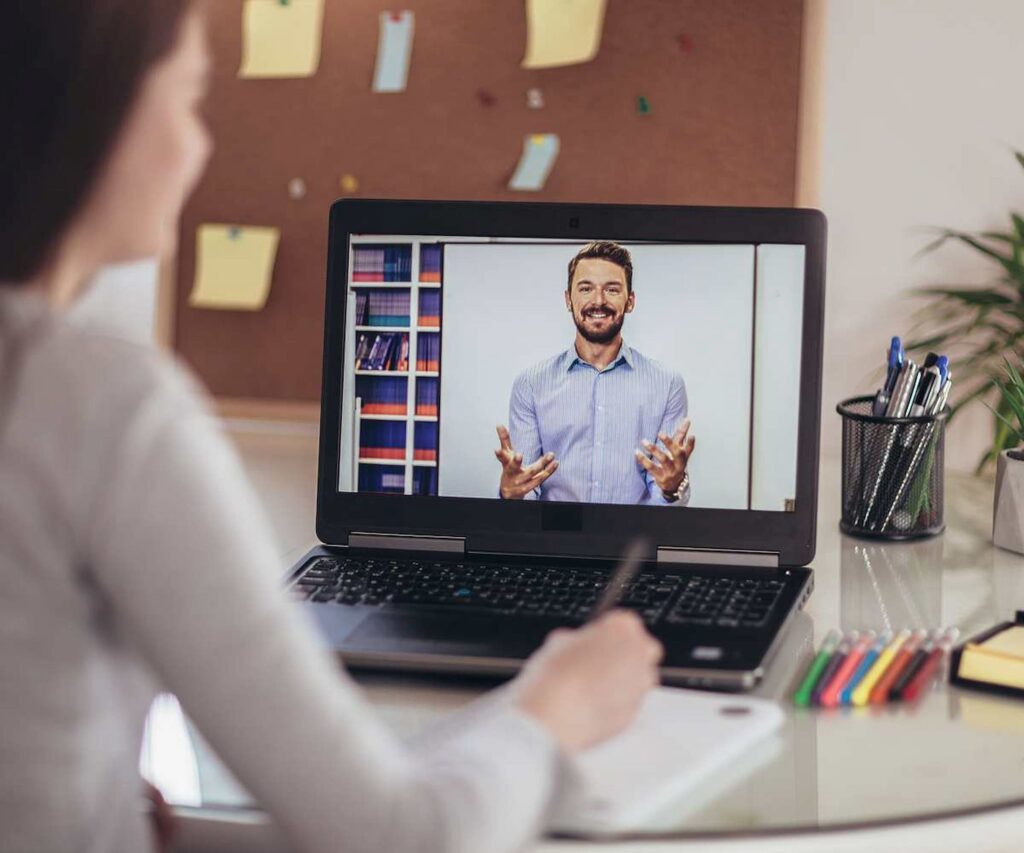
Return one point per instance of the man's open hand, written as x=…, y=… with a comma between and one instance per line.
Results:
x=517, y=481
x=667, y=466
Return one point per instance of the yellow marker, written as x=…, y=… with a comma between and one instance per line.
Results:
x=234, y=266
x=862, y=694
x=566, y=32
x=281, y=39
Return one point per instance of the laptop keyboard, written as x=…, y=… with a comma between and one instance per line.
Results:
x=555, y=591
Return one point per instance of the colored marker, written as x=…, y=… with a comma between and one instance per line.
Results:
x=927, y=671
x=802, y=698
x=868, y=661
x=880, y=693
x=830, y=695
x=916, y=662
x=862, y=695
x=841, y=654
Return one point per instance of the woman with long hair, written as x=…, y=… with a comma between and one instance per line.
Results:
x=134, y=557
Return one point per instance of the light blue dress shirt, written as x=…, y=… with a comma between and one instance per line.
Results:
x=593, y=421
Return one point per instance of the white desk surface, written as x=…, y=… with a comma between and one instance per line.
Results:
x=920, y=778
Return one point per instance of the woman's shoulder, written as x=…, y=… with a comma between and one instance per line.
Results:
x=87, y=371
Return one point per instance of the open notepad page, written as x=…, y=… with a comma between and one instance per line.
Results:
x=681, y=742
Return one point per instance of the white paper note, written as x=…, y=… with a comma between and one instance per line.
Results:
x=540, y=150
x=394, y=51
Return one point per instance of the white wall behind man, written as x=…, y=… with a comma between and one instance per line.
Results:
x=921, y=106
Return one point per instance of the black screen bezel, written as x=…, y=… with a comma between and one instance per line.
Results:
x=571, y=529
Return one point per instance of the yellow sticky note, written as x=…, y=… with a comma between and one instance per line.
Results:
x=234, y=266
x=1008, y=642
x=562, y=32
x=281, y=38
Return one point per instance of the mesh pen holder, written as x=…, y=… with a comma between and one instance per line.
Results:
x=892, y=473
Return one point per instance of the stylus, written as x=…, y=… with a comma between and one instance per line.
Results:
x=626, y=571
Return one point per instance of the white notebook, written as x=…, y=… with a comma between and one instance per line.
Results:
x=680, y=741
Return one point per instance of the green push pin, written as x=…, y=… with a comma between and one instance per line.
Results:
x=643, y=106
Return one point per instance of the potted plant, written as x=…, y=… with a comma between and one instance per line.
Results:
x=978, y=325
x=1008, y=514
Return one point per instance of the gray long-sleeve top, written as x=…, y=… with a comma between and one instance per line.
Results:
x=134, y=558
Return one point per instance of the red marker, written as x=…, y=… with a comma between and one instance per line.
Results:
x=830, y=695
x=880, y=692
x=924, y=675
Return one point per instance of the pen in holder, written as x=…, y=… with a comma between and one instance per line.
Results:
x=892, y=473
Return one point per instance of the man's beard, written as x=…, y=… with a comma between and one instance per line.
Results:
x=605, y=337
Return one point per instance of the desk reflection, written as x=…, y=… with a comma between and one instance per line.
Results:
x=886, y=586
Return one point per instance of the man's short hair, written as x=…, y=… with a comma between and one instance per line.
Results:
x=604, y=250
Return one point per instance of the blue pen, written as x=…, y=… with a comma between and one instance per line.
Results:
x=868, y=661
x=943, y=364
x=894, y=362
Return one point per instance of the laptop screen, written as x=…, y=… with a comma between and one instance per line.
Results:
x=593, y=371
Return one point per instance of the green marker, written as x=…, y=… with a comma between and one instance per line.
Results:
x=803, y=695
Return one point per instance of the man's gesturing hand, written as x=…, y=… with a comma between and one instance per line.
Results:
x=668, y=467
x=517, y=481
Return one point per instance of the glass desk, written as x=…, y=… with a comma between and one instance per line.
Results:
x=952, y=753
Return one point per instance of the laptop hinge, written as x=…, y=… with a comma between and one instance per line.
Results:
x=403, y=542
x=711, y=557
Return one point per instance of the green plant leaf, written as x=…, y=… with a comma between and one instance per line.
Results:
x=968, y=296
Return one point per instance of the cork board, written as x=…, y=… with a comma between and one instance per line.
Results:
x=722, y=129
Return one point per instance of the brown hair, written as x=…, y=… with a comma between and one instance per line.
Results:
x=71, y=71
x=606, y=251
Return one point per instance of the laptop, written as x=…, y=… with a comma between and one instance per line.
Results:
x=515, y=393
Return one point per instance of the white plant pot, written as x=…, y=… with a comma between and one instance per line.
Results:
x=1008, y=514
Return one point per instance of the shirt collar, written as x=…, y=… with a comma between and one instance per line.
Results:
x=571, y=357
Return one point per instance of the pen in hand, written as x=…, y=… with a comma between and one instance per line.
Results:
x=626, y=571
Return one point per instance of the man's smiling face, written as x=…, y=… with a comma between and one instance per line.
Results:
x=599, y=299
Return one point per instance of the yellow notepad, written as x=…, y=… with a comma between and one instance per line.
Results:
x=996, y=660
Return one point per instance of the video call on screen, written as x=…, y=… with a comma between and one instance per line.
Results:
x=448, y=338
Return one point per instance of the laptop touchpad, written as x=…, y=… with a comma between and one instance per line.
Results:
x=444, y=634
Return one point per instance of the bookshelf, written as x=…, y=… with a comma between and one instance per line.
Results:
x=392, y=367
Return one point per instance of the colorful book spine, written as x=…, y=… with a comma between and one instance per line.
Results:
x=430, y=309
x=430, y=263
x=428, y=352
x=427, y=397
x=424, y=481
x=388, y=351
x=425, y=442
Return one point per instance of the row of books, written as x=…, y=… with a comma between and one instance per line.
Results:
x=384, y=351
x=382, y=263
x=387, y=440
x=430, y=263
x=382, y=478
x=382, y=308
x=386, y=479
x=382, y=440
x=428, y=352
x=430, y=308
x=427, y=396
x=383, y=395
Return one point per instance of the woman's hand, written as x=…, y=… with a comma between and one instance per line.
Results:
x=586, y=685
